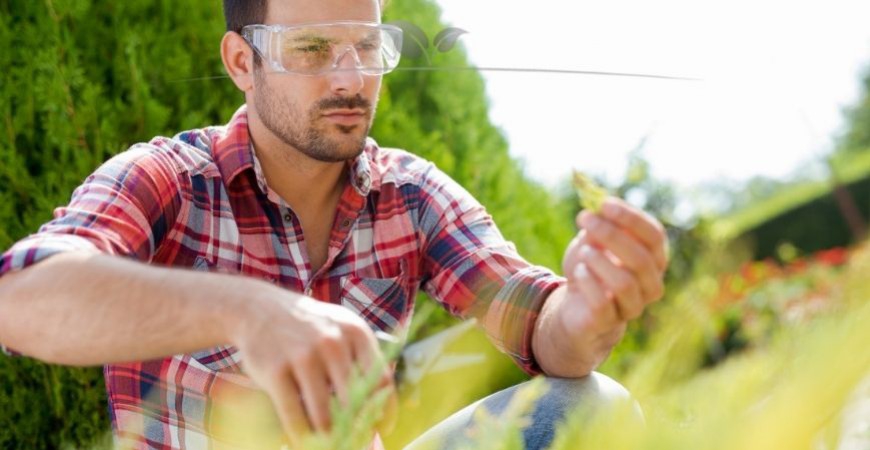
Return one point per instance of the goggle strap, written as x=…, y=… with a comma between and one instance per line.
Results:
x=260, y=41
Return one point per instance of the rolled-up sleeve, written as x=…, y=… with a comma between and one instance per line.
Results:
x=474, y=272
x=125, y=208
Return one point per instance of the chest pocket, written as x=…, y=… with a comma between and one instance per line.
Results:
x=382, y=302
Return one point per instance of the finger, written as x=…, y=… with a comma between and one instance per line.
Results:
x=572, y=254
x=621, y=243
x=602, y=308
x=631, y=254
x=616, y=280
x=288, y=404
x=314, y=388
x=646, y=228
x=339, y=361
x=364, y=346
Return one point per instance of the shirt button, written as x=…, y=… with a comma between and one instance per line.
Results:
x=345, y=223
x=288, y=217
x=364, y=182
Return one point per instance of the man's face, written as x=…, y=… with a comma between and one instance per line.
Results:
x=304, y=111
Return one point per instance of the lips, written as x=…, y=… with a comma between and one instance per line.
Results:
x=346, y=116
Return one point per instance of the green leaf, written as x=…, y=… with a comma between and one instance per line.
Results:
x=591, y=194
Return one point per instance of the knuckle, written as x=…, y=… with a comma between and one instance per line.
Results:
x=276, y=374
x=355, y=330
x=617, y=208
x=329, y=343
x=637, y=259
x=624, y=286
x=605, y=231
x=304, y=357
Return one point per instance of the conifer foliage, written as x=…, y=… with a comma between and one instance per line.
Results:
x=84, y=79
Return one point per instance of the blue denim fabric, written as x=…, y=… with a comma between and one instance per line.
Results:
x=561, y=397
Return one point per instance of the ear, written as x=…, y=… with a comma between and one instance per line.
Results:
x=238, y=60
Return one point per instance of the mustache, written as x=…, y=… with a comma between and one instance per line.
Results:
x=355, y=102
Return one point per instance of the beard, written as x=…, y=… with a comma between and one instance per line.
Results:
x=301, y=131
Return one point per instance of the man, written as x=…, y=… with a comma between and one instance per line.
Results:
x=332, y=235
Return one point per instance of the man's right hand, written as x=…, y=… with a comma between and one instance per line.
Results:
x=300, y=351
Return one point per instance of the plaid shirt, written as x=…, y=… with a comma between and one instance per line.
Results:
x=200, y=200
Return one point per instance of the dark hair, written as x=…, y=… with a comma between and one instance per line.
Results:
x=239, y=13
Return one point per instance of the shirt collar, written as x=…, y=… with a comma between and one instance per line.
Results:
x=234, y=153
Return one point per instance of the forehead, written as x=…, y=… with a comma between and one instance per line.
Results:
x=292, y=12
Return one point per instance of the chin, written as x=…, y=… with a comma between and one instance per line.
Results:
x=337, y=152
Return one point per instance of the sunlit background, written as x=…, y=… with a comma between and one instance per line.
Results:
x=776, y=76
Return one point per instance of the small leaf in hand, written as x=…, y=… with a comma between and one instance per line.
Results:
x=591, y=194
x=415, y=41
x=446, y=39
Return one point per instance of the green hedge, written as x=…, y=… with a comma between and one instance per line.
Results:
x=815, y=225
x=83, y=79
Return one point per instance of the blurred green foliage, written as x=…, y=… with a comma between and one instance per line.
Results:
x=804, y=214
x=84, y=79
x=815, y=225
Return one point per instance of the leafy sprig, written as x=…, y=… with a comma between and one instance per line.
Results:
x=591, y=194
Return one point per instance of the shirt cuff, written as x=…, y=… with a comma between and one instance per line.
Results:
x=513, y=313
x=38, y=247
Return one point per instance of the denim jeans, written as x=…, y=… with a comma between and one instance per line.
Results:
x=561, y=397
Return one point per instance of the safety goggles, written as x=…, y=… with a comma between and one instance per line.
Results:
x=316, y=49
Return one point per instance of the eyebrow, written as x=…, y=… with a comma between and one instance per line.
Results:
x=313, y=38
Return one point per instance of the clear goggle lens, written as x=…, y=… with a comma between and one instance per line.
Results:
x=374, y=49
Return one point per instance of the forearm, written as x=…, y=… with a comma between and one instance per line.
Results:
x=558, y=352
x=84, y=309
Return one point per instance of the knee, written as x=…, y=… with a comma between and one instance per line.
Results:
x=593, y=393
x=577, y=400
x=595, y=388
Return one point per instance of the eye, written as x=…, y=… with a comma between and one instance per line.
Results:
x=367, y=45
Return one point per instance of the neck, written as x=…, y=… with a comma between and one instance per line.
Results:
x=304, y=183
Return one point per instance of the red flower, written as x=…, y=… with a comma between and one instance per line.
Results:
x=836, y=256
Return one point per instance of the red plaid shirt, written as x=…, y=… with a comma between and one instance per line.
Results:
x=200, y=200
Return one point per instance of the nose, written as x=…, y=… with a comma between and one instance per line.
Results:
x=347, y=79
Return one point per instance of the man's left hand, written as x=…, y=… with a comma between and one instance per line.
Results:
x=624, y=250
x=615, y=268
